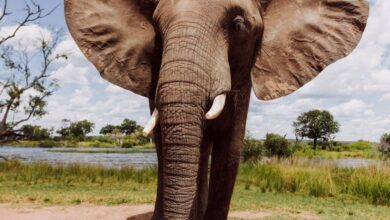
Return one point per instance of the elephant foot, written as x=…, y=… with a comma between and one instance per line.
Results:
x=144, y=216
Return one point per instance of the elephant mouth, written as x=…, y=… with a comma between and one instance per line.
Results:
x=215, y=110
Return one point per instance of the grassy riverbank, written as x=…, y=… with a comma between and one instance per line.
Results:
x=68, y=144
x=135, y=151
x=358, y=149
x=286, y=187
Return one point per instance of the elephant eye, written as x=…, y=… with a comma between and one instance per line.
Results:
x=239, y=24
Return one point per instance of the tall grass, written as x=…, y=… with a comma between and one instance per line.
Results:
x=372, y=184
x=73, y=174
x=290, y=175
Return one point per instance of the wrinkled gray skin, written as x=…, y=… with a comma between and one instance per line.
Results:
x=195, y=68
x=181, y=54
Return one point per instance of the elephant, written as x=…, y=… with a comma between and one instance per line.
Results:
x=197, y=61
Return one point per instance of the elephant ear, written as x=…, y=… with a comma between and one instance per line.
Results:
x=117, y=37
x=302, y=37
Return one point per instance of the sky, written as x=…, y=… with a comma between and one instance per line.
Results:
x=356, y=90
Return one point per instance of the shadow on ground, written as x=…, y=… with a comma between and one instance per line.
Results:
x=144, y=216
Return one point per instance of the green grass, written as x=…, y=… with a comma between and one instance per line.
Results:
x=325, y=154
x=21, y=143
x=369, y=184
x=286, y=187
x=135, y=151
x=292, y=206
x=358, y=149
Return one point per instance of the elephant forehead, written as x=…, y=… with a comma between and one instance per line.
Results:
x=209, y=9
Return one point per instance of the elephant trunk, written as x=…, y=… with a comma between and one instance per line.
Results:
x=181, y=127
x=183, y=96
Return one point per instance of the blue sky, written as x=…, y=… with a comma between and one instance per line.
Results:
x=356, y=89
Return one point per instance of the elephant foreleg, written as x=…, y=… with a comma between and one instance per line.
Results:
x=225, y=161
x=224, y=167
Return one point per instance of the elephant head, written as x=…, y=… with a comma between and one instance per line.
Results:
x=189, y=56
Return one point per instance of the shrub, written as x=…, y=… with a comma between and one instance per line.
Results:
x=96, y=144
x=277, y=145
x=253, y=150
x=47, y=144
x=301, y=147
x=129, y=143
x=104, y=139
x=149, y=145
x=360, y=145
x=384, y=145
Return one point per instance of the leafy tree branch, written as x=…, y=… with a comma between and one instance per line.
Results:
x=33, y=13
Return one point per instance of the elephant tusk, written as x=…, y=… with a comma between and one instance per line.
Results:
x=217, y=107
x=151, y=123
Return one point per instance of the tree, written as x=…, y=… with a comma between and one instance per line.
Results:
x=384, y=145
x=77, y=130
x=316, y=124
x=64, y=131
x=80, y=129
x=33, y=13
x=128, y=126
x=24, y=85
x=34, y=132
x=108, y=129
x=277, y=145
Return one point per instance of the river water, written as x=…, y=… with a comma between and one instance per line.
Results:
x=137, y=160
x=35, y=154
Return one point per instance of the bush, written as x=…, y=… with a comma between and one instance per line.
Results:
x=384, y=145
x=149, y=145
x=360, y=145
x=47, y=144
x=129, y=143
x=96, y=144
x=301, y=147
x=104, y=139
x=253, y=150
x=277, y=145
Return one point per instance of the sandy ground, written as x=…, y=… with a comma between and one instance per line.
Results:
x=90, y=212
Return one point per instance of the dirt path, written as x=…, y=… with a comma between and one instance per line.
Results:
x=91, y=212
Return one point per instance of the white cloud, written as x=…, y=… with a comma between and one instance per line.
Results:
x=113, y=89
x=72, y=74
x=28, y=38
x=353, y=108
x=385, y=98
x=75, y=69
